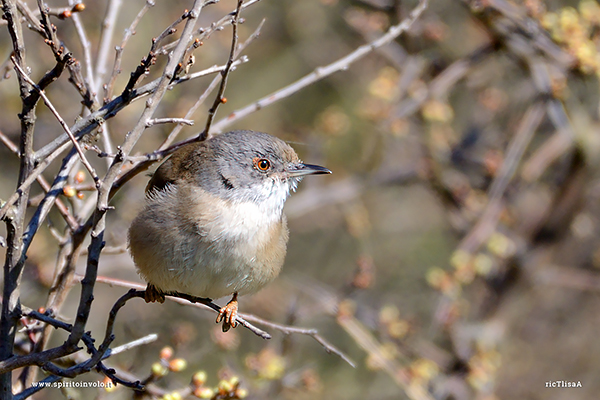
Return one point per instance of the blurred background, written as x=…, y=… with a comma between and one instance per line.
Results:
x=453, y=253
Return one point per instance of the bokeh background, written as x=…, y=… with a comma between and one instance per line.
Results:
x=453, y=253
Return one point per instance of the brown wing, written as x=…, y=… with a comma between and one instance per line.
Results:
x=175, y=168
x=161, y=177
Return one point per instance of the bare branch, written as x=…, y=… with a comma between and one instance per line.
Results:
x=108, y=28
x=323, y=72
x=62, y=122
x=288, y=330
x=62, y=208
x=225, y=73
x=108, y=89
x=98, y=219
x=183, y=299
x=204, y=33
x=90, y=80
x=179, y=121
x=15, y=257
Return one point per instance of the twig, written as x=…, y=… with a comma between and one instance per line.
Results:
x=153, y=337
x=108, y=90
x=323, y=72
x=108, y=28
x=183, y=299
x=207, y=71
x=179, y=121
x=87, y=54
x=204, y=33
x=15, y=258
x=149, y=60
x=288, y=330
x=213, y=84
x=37, y=171
x=219, y=99
x=98, y=221
x=62, y=208
x=62, y=122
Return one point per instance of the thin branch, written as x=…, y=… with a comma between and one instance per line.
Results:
x=108, y=28
x=61, y=121
x=183, y=299
x=204, y=33
x=322, y=72
x=150, y=59
x=62, y=208
x=108, y=89
x=179, y=121
x=98, y=221
x=37, y=171
x=219, y=99
x=32, y=19
x=14, y=257
x=150, y=338
x=288, y=330
x=87, y=54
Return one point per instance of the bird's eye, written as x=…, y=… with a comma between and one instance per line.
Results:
x=262, y=164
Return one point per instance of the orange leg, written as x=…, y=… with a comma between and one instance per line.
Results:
x=228, y=314
x=153, y=294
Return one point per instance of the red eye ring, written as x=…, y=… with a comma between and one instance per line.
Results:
x=262, y=164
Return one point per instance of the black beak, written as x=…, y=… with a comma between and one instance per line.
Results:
x=307, y=169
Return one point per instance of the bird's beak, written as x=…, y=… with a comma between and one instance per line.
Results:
x=307, y=169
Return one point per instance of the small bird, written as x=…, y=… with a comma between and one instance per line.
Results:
x=213, y=223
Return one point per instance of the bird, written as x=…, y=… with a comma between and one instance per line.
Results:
x=212, y=224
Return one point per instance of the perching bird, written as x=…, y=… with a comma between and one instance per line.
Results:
x=213, y=222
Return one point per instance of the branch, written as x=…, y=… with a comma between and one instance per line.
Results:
x=179, y=121
x=150, y=59
x=14, y=256
x=98, y=219
x=204, y=33
x=62, y=208
x=61, y=121
x=322, y=72
x=164, y=149
x=183, y=299
x=108, y=89
x=108, y=28
x=288, y=330
x=90, y=82
x=225, y=73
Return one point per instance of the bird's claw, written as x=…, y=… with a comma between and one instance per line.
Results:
x=153, y=294
x=228, y=314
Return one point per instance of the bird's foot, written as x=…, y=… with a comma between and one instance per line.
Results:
x=228, y=314
x=153, y=294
